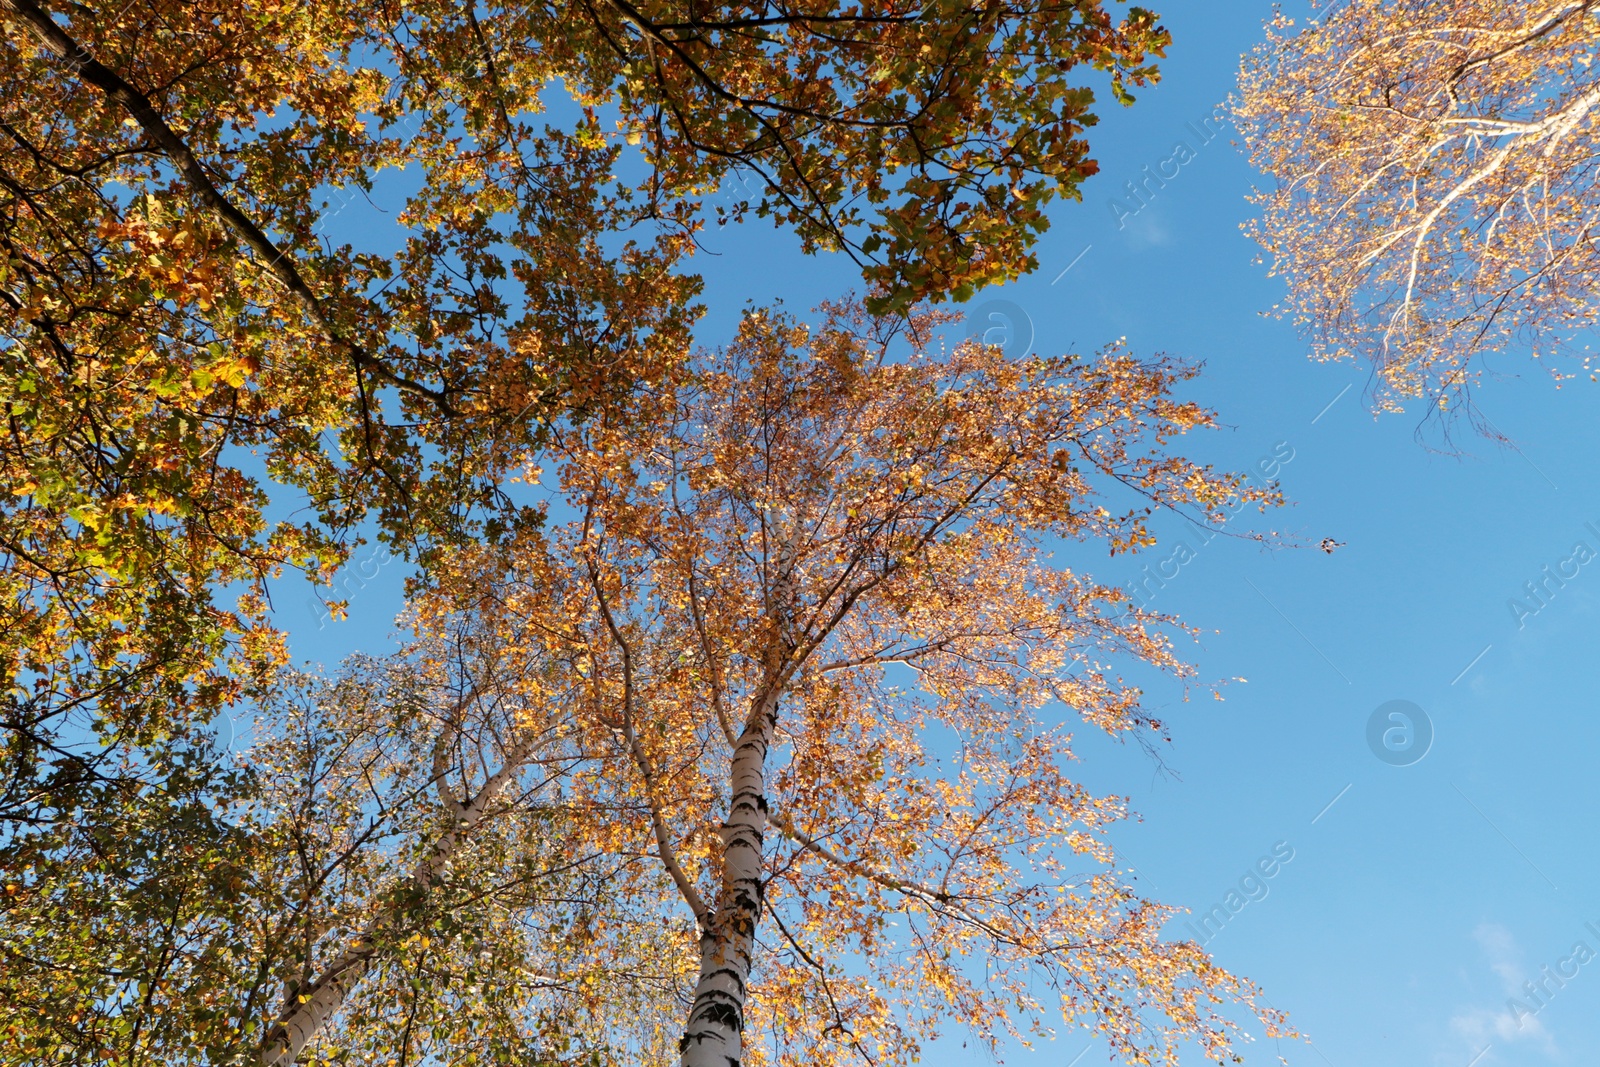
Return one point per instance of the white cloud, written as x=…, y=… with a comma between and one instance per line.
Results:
x=1504, y=958
x=1145, y=229
x=1485, y=1026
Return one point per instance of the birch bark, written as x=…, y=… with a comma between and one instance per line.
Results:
x=715, y=1033
x=323, y=998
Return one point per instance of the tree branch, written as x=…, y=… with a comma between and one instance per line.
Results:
x=636, y=751
x=93, y=73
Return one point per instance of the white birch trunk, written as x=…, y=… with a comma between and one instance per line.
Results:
x=332, y=988
x=715, y=1033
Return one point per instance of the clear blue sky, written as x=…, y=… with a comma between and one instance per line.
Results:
x=1426, y=894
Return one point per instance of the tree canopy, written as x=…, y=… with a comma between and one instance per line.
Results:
x=813, y=606
x=749, y=753
x=170, y=303
x=203, y=387
x=645, y=782
x=1435, y=190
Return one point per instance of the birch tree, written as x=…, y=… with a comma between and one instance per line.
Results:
x=388, y=876
x=191, y=327
x=822, y=610
x=1434, y=183
x=435, y=902
x=756, y=749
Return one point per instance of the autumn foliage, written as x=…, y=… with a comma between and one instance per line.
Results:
x=752, y=747
x=172, y=301
x=803, y=614
x=726, y=725
x=211, y=379
x=1434, y=175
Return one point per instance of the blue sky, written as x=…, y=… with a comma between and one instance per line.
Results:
x=1427, y=894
